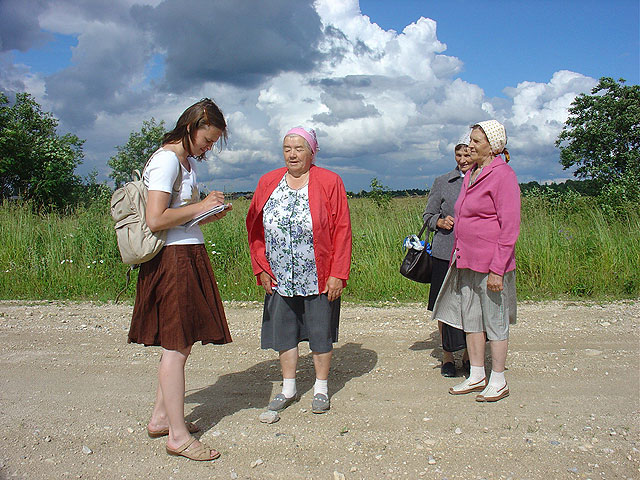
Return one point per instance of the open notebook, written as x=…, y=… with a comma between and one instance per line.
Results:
x=213, y=211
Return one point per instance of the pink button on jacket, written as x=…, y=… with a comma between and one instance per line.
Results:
x=488, y=220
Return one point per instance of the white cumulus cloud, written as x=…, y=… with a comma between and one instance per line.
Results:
x=384, y=104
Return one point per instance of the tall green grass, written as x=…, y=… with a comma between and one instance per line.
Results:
x=57, y=257
x=568, y=248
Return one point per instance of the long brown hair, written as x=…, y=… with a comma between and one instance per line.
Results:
x=205, y=112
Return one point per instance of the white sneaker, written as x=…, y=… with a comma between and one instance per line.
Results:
x=492, y=393
x=468, y=386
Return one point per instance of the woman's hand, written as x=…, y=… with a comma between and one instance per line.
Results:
x=267, y=282
x=494, y=282
x=333, y=289
x=214, y=199
x=217, y=216
x=445, y=223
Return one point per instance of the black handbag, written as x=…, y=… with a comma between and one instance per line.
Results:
x=417, y=264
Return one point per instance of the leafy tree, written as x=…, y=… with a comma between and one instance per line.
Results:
x=94, y=192
x=582, y=187
x=379, y=194
x=135, y=153
x=601, y=137
x=35, y=162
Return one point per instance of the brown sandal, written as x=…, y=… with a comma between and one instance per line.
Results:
x=201, y=454
x=192, y=427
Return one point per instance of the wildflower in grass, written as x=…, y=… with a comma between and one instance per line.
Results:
x=565, y=234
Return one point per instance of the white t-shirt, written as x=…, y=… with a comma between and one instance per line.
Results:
x=161, y=174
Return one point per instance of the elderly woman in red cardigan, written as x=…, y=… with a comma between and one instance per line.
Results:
x=479, y=291
x=299, y=232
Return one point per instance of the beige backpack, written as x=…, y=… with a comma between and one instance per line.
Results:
x=136, y=242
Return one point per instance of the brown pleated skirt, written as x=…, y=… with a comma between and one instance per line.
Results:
x=177, y=301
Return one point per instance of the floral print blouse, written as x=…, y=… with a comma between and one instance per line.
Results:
x=288, y=238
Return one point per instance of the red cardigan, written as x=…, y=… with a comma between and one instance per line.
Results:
x=330, y=220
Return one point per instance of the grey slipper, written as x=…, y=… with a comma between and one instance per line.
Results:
x=320, y=403
x=280, y=402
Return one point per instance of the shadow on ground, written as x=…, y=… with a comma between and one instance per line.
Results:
x=252, y=388
x=434, y=344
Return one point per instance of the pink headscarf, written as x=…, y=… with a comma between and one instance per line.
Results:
x=308, y=135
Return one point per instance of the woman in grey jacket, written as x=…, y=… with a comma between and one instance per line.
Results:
x=439, y=214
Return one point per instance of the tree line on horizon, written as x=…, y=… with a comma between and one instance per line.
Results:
x=600, y=139
x=586, y=187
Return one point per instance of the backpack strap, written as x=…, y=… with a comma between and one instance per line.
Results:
x=137, y=174
x=131, y=269
x=177, y=185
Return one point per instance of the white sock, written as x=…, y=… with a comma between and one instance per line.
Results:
x=289, y=387
x=497, y=379
x=476, y=373
x=321, y=386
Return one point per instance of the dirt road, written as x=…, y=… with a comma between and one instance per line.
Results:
x=75, y=398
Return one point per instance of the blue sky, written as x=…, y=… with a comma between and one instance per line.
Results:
x=505, y=42
x=388, y=92
x=49, y=58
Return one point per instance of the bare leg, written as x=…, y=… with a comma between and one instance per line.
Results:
x=322, y=364
x=171, y=379
x=159, y=418
x=289, y=362
x=498, y=354
x=171, y=382
x=475, y=347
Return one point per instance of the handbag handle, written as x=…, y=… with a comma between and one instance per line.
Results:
x=423, y=229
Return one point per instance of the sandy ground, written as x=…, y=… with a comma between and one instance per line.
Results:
x=75, y=398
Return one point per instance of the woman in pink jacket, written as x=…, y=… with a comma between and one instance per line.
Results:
x=479, y=292
x=300, y=243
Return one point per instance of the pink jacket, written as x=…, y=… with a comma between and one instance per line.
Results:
x=329, y=216
x=488, y=220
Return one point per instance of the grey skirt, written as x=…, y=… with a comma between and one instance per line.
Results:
x=287, y=321
x=464, y=302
